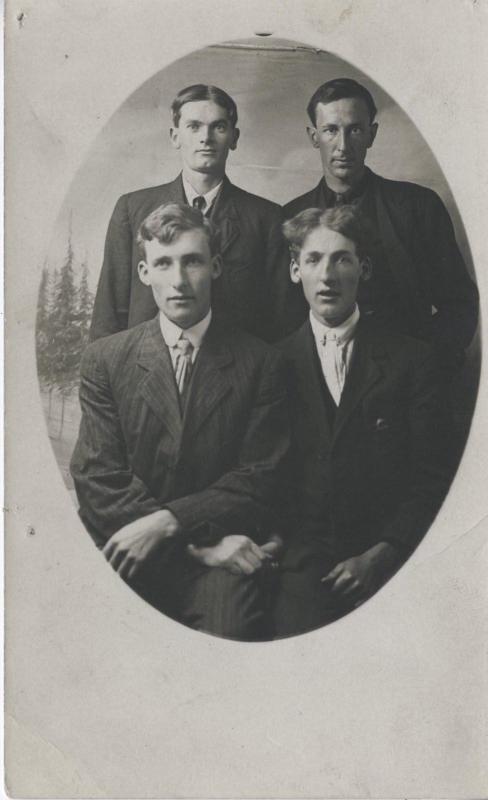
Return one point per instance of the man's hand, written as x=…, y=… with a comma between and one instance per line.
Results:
x=131, y=546
x=359, y=577
x=238, y=554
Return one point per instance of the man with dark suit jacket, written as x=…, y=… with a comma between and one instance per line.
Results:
x=418, y=268
x=182, y=441
x=369, y=471
x=252, y=286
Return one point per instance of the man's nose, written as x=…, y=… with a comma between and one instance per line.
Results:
x=178, y=275
x=205, y=133
x=342, y=140
x=327, y=272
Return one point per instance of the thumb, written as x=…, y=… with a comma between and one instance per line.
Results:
x=270, y=548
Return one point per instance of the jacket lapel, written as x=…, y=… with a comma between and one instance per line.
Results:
x=158, y=387
x=365, y=371
x=174, y=191
x=224, y=215
x=209, y=383
x=309, y=380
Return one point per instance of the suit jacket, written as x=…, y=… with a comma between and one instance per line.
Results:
x=427, y=268
x=251, y=290
x=379, y=472
x=216, y=467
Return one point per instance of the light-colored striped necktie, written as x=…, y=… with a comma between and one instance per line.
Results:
x=183, y=363
x=333, y=364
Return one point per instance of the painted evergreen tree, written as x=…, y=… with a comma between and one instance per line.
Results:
x=66, y=341
x=85, y=307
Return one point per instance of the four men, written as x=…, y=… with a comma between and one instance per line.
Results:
x=204, y=455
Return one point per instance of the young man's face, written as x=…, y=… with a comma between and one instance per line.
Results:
x=204, y=136
x=329, y=270
x=343, y=133
x=180, y=275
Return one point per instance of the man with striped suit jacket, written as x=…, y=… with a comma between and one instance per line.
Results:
x=183, y=440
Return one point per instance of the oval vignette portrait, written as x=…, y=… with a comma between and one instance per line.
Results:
x=257, y=339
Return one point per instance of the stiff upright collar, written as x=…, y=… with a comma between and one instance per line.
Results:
x=344, y=332
x=191, y=193
x=195, y=334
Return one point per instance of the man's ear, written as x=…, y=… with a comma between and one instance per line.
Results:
x=237, y=133
x=216, y=266
x=143, y=271
x=366, y=269
x=174, y=135
x=313, y=135
x=295, y=272
x=373, y=130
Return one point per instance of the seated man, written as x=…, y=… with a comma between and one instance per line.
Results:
x=368, y=432
x=182, y=441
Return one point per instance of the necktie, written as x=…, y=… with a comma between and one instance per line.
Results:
x=200, y=203
x=333, y=364
x=183, y=364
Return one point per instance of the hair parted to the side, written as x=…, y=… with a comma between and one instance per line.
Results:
x=170, y=220
x=346, y=219
x=340, y=89
x=201, y=91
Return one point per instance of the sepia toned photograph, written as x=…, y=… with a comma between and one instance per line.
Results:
x=241, y=459
x=245, y=508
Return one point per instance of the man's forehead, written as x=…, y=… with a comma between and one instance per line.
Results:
x=324, y=238
x=352, y=109
x=192, y=241
x=203, y=109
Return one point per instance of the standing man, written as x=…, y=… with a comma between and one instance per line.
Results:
x=368, y=432
x=184, y=432
x=419, y=284
x=252, y=286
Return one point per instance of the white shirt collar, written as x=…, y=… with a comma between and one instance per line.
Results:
x=195, y=334
x=344, y=332
x=191, y=193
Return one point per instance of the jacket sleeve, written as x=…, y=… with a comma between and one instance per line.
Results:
x=453, y=293
x=431, y=466
x=109, y=493
x=111, y=308
x=245, y=499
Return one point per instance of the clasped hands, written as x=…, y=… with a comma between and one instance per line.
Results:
x=357, y=578
x=134, y=544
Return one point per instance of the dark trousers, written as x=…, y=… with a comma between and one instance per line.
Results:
x=303, y=603
x=208, y=599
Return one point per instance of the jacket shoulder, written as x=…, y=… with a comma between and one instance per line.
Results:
x=404, y=190
x=147, y=194
x=306, y=200
x=113, y=348
x=254, y=203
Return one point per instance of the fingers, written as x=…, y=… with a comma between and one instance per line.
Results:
x=331, y=576
x=270, y=548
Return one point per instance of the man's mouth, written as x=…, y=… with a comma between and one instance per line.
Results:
x=328, y=294
x=181, y=298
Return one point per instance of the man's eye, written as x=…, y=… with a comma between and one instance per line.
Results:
x=343, y=260
x=193, y=126
x=356, y=130
x=330, y=131
x=221, y=127
x=311, y=260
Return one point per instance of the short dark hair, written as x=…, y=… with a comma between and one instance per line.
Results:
x=167, y=222
x=200, y=91
x=345, y=219
x=339, y=89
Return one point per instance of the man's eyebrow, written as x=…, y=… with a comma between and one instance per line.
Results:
x=338, y=253
x=195, y=254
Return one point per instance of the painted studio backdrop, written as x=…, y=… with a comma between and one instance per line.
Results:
x=271, y=82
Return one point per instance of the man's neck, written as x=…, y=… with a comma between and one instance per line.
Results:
x=202, y=182
x=341, y=186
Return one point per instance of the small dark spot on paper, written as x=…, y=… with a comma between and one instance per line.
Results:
x=21, y=19
x=31, y=531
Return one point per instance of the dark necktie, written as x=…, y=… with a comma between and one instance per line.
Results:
x=199, y=203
